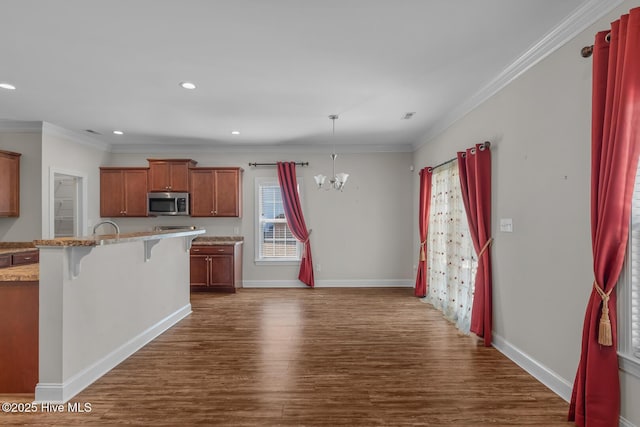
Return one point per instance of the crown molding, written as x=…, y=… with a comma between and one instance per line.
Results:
x=186, y=149
x=73, y=136
x=20, y=127
x=584, y=16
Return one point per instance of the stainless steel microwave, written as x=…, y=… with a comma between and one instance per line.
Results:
x=168, y=203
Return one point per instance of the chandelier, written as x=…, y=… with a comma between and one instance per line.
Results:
x=337, y=181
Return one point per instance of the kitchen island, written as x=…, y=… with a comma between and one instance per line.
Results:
x=102, y=298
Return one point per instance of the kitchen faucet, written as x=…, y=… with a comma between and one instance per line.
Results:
x=106, y=221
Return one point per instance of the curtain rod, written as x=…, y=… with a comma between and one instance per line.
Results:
x=485, y=144
x=587, y=51
x=275, y=164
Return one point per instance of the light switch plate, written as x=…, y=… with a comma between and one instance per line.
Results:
x=506, y=225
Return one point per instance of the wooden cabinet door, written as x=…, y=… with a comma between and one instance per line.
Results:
x=159, y=176
x=111, y=192
x=123, y=192
x=221, y=271
x=9, y=184
x=199, y=270
x=179, y=177
x=201, y=183
x=227, y=193
x=169, y=175
x=135, y=192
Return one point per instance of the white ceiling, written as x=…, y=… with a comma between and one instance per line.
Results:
x=272, y=69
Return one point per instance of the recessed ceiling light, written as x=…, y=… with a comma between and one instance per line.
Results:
x=235, y=132
x=187, y=85
x=118, y=132
x=7, y=86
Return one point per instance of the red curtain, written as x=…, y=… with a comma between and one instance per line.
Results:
x=615, y=142
x=423, y=223
x=474, y=166
x=295, y=218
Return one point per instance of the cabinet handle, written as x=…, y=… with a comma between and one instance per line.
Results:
x=220, y=250
x=195, y=250
x=27, y=258
x=212, y=212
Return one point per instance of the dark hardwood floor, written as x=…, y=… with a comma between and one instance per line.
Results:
x=303, y=357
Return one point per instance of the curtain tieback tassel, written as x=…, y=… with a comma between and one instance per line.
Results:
x=423, y=255
x=604, y=330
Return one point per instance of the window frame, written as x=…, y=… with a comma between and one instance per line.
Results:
x=261, y=260
x=628, y=358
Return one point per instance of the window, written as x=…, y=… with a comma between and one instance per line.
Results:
x=629, y=293
x=451, y=259
x=275, y=242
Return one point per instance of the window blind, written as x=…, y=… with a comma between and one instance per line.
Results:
x=275, y=238
x=634, y=292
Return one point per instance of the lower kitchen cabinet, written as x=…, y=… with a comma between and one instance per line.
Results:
x=216, y=267
x=19, y=314
x=14, y=257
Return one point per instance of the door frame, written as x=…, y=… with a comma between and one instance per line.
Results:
x=80, y=200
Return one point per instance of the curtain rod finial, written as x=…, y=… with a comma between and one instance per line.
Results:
x=586, y=51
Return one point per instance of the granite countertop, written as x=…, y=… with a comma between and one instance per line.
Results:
x=20, y=273
x=16, y=245
x=110, y=239
x=16, y=250
x=218, y=240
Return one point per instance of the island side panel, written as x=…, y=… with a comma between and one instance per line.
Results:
x=116, y=304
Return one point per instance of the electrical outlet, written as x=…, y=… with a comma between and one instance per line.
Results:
x=318, y=267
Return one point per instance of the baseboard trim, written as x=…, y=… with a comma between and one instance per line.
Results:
x=625, y=422
x=373, y=283
x=61, y=393
x=546, y=376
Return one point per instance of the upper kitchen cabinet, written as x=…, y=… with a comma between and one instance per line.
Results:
x=9, y=183
x=216, y=192
x=123, y=191
x=169, y=174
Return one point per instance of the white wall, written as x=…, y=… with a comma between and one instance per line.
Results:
x=539, y=127
x=359, y=236
x=76, y=155
x=26, y=140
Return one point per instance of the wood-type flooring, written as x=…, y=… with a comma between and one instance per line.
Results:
x=310, y=357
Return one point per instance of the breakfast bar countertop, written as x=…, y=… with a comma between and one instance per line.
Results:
x=110, y=239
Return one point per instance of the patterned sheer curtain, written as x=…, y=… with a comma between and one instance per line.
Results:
x=451, y=259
